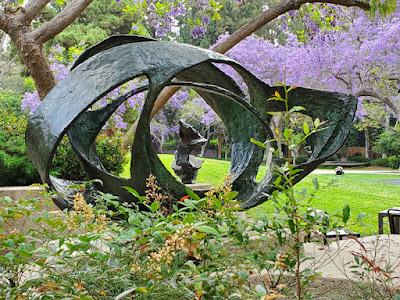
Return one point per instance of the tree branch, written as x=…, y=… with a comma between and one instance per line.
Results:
x=274, y=12
x=53, y=27
x=3, y=21
x=33, y=9
x=384, y=100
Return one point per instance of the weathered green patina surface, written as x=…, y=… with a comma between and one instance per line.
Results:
x=122, y=58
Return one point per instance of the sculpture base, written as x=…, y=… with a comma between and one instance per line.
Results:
x=199, y=187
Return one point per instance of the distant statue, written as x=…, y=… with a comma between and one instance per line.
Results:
x=339, y=170
x=185, y=164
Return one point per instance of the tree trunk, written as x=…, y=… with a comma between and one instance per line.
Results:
x=204, y=147
x=38, y=66
x=32, y=55
x=219, y=148
x=367, y=143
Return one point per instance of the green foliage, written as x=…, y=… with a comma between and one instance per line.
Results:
x=10, y=101
x=388, y=162
x=358, y=157
x=100, y=20
x=87, y=34
x=389, y=143
x=170, y=145
x=112, y=155
x=17, y=169
x=200, y=250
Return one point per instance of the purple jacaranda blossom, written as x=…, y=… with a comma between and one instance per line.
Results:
x=30, y=102
x=198, y=32
x=119, y=122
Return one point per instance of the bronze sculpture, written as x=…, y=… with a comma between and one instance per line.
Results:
x=119, y=59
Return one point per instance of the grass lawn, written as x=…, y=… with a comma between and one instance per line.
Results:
x=365, y=193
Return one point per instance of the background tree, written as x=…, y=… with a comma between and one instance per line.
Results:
x=18, y=22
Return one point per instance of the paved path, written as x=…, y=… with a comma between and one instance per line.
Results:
x=336, y=259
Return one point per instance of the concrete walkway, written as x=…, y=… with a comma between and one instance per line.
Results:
x=336, y=260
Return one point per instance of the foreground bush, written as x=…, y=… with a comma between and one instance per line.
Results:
x=193, y=249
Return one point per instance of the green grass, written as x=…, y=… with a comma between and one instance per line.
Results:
x=213, y=171
x=363, y=193
x=367, y=194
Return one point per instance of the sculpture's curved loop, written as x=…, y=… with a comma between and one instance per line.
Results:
x=120, y=59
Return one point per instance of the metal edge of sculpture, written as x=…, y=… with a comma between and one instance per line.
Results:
x=102, y=68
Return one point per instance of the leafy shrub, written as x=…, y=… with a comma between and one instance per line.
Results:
x=170, y=145
x=10, y=101
x=389, y=143
x=358, y=158
x=113, y=157
x=213, y=144
x=17, y=169
x=388, y=162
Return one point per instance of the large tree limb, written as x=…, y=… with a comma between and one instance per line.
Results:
x=383, y=99
x=33, y=8
x=273, y=13
x=248, y=29
x=53, y=27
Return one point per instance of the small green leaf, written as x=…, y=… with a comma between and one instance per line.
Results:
x=134, y=193
x=10, y=256
x=192, y=194
x=287, y=133
x=346, y=213
x=317, y=122
x=315, y=183
x=306, y=129
x=258, y=143
x=207, y=229
x=297, y=109
x=291, y=226
x=155, y=206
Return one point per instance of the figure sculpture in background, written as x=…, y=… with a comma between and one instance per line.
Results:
x=185, y=164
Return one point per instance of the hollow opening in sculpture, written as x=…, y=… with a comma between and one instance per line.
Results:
x=188, y=109
x=117, y=60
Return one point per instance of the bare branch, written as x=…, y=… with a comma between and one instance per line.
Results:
x=53, y=27
x=33, y=8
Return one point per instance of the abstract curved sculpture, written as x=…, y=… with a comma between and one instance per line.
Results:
x=119, y=59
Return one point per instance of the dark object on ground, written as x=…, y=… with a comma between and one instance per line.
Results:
x=394, y=220
x=185, y=164
x=119, y=59
x=339, y=170
x=393, y=215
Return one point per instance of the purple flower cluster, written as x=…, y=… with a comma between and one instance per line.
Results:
x=30, y=102
x=361, y=57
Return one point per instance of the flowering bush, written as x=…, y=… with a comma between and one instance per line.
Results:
x=201, y=249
